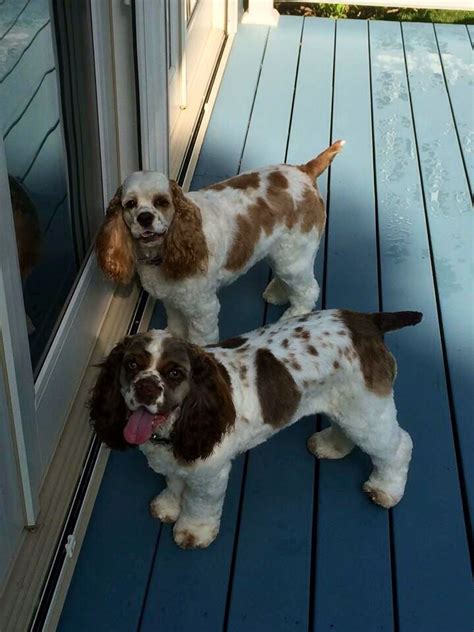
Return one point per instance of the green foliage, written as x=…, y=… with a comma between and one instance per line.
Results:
x=339, y=11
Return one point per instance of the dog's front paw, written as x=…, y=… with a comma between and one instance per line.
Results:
x=380, y=496
x=165, y=507
x=189, y=535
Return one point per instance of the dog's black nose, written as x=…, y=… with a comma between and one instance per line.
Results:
x=145, y=219
x=147, y=390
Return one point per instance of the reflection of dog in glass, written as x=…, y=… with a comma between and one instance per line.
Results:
x=27, y=231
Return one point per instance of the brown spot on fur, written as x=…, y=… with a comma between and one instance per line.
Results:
x=231, y=343
x=243, y=181
x=312, y=350
x=377, y=363
x=285, y=343
x=278, y=179
x=336, y=364
x=302, y=333
x=306, y=383
x=296, y=365
x=277, y=391
x=243, y=372
x=311, y=210
x=341, y=332
x=278, y=207
x=259, y=216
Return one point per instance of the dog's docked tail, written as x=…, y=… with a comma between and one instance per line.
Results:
x=315, y=167
x=390, y=321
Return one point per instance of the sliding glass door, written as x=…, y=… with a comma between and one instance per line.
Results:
x=60, y=162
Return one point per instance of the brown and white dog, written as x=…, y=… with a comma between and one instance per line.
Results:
x=185, y=247
x=192, y=410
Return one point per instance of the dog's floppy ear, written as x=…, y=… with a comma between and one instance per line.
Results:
x=108, y=412
x=185, y=250
x=114, y=245
x=207, y=412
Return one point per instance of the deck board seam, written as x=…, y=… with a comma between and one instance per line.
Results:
x=315, y=517
x=446, y=85
x=391, y=534
x=253, y=102
x=294, y=90
x=149, y=577
x=449, y=390
x=235, y=544
x=469, y=35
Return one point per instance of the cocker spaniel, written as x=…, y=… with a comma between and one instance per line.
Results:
x=185, y=247
x=192, y=410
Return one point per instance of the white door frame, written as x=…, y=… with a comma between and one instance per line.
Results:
x=14, y=339
x=150, y=20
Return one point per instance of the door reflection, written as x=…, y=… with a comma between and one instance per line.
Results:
x=33, y=132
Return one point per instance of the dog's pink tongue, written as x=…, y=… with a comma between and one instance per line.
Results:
x=139, y=427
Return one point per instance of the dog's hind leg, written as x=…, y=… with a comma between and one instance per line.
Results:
x=276, y=292
x=371, y=423
x=292, y=260
x=330, y=443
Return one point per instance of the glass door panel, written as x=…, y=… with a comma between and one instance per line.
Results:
x=45, y=161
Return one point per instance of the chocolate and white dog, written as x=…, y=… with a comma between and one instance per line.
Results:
x=192, y=409
x=186, y=246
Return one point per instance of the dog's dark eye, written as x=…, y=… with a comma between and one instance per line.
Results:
x=132, y=365
x=131, y=204
x=174, y=374
x=161, y=201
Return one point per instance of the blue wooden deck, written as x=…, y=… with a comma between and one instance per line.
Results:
x=300, y=546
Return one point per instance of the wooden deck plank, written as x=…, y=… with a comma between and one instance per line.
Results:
x=204, y=575
x=433, y=593
x=352, y=533
x=450, y=221
x=221, y=151
x=109, y=584
x=470, y=29
x=270, y=543
x=268, y=130
x=456, y=57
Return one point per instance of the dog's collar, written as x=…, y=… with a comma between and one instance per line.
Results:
x=156, y=440
x=156, y=261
